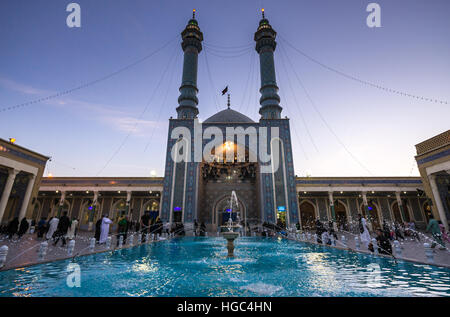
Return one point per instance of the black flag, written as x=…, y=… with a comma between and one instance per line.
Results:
x=225, y=90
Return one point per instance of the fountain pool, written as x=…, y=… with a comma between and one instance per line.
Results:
x=198, y=266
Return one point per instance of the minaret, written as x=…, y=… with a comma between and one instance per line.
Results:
x=265, y=46
x=192, y=45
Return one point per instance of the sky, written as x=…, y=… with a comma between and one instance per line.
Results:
x=118, y=126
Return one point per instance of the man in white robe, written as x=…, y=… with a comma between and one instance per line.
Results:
x=72, y=229
x=53, y=225
x=364, y=232
x=104, y=229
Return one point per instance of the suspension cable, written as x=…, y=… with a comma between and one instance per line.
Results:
x=90, y=83
x=211, y=82
x=139, y=117
x=323, y=119
x=362, y=81
x=296, y=101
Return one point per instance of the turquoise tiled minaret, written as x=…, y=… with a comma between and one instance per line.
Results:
x=265, y=46
x=192, y=45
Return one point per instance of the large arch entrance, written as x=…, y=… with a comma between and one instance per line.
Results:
x=223, y=211
x=307, y=215
x=221, y=175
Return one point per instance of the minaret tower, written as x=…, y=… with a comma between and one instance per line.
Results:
x=192, y=45
x=265, y=46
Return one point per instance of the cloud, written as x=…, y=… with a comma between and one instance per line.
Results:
x=109, y=115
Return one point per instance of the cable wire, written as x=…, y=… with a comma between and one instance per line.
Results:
x=140, y=116
x=90, y=83
x=162, y=106
x=230, y=56
x=244, y=95
x=323, y=119
x=211, y=82
x=296, y=101
x=365, y=82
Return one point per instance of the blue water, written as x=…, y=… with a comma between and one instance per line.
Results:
x=198, y=267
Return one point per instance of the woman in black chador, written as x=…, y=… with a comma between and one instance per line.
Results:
x=98, y=227
x=23, y=227
x=13, y=226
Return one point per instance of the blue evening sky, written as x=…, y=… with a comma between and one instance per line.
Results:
x=83, y=130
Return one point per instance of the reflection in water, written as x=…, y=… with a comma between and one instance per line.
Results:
x=199, y=267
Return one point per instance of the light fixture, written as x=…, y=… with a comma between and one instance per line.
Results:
x=118, y=191
x=342, y=192
x=12, y=140
x=304, y=192
x=404, y=192
x=373, y=192
x=57, y=191
x=87, y=192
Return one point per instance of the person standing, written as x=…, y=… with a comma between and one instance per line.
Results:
x=433, y=227
x=445, y=236
x=104, y=229
x=63, y=226
x=41, y=227
x=319, y=230
x=13, y=226
x=98, y=228
x=195, y=227
x=159, y=226
x=331, y=231
x=73, y=228
x=23, y=227
x=122, y=228
x=384, y=245
x=364, y=232
x=145, y=225
x=52, y=226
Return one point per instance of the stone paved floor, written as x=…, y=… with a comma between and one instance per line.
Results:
x=25, y=252
x=411, y=250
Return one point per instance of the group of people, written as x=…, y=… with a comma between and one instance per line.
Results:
x=54, y=228
x=199, y=231
x=14, y=227
x=324, y=235
x=146, y=225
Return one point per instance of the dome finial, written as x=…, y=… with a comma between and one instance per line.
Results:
x=262, y=11
x=193, y=13
x=229, y=102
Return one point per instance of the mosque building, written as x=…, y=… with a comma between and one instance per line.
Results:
x=198, y=187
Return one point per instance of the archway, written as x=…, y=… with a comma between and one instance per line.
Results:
x=152, y=207
x=398, y=214
x=219, y=176
x=59, y=210
x=118, y=210
x=89, y=214
x=372, y=216
x=341, y=215
x=427, y=211
x=307, y=215
x=36, y=209
x=223, y=211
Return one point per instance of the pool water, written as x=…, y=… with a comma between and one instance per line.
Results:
x=197, y=266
